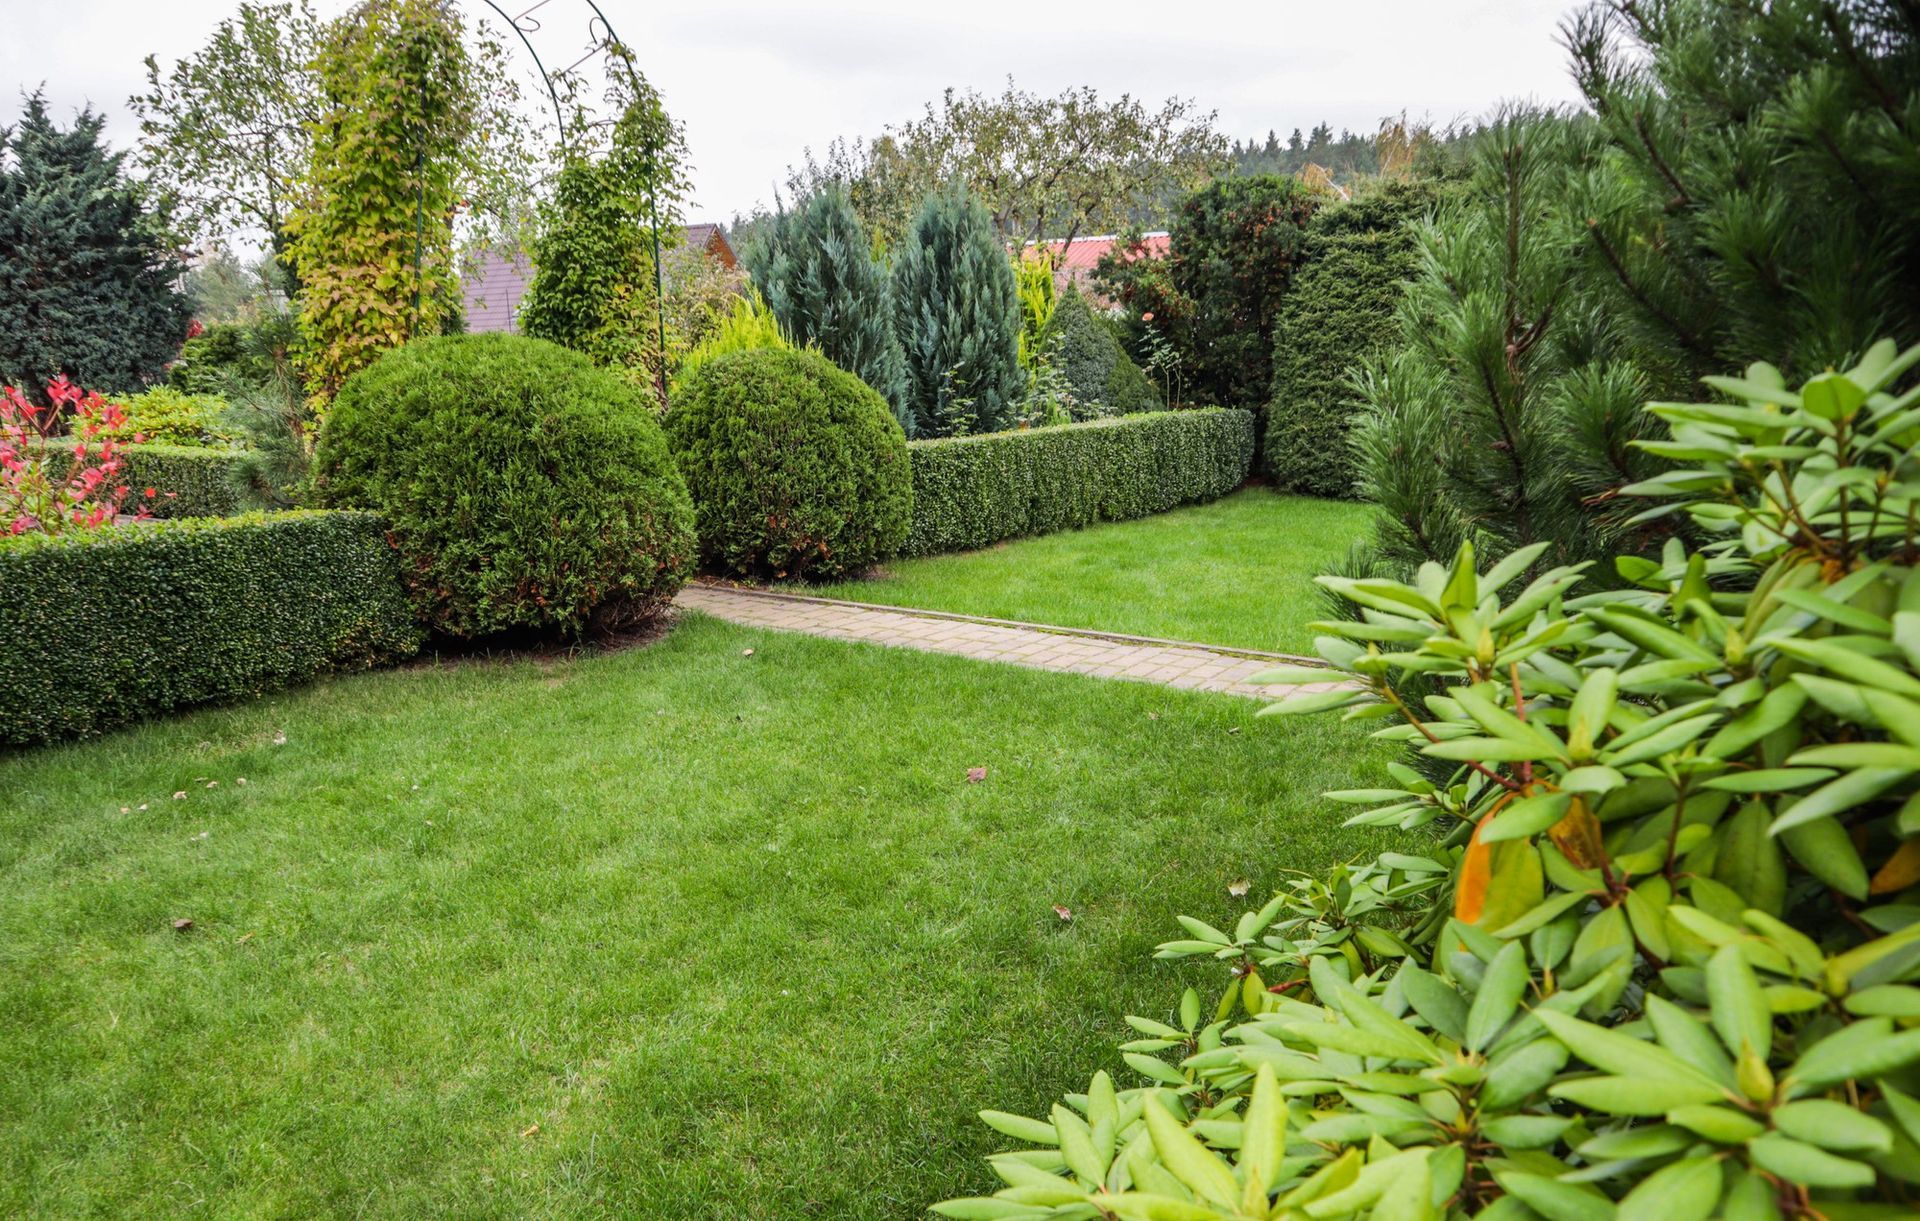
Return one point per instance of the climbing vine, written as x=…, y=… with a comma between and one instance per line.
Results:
x=595, y=288
x=373, y=234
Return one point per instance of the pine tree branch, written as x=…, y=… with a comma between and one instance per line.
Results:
x=1687, y=339
x=1843, y=35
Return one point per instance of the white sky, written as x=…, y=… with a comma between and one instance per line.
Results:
x=756, y=83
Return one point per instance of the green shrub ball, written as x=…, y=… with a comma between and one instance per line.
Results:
x=797, y=468
x=526, y=489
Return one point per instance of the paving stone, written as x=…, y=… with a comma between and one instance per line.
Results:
x=1188, y=667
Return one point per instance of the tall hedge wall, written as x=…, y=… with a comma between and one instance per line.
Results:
x=973, y=491
x=1340, y=311
x=204, y=481
x=113, y=625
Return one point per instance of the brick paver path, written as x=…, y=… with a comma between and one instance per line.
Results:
x=1041, y=646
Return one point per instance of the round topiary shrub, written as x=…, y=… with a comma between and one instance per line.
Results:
x=797, y=468
x=526, y=488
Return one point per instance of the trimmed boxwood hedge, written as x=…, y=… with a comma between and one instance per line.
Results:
x=204, y=481
x=972, y=491
x=108, y=626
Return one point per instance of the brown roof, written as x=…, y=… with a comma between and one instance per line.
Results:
x=494, y=283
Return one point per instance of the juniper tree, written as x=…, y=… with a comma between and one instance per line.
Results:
x=88, y=272
x=957, y=319
x=819, y=274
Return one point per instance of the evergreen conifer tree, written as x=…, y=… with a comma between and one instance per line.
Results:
x=1716, y=209
x=1101, y=377
x=88, y=273
x=1341, y=309
x=957, y=318
x=826, y=287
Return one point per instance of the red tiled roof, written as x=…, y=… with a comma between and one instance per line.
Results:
x=1083, y=254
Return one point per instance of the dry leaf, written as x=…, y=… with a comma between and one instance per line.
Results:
x=1233, y=729
x=126, y=810
x=280, y=739
x=1901, y=870
x=976, y=774
x=244, y=938
x=143, y=805
x=182, y=925
x=1153, y=716
x=1065, y=913
x=181, y=795
x=240, y=780
x=213, y=784
x=746, y=652
x=1238, y=888
x=530, y=1131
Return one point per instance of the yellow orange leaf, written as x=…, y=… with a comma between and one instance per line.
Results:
x=1901, y=870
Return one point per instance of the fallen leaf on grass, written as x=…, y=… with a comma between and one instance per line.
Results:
x=213, y=784
x=1238, y=889
x=530, y=1131
x=1233, y=729
x=181, y=795
x=976, y=774
x=240, y=780
x=746, y=652
x=1065, y=913
x=280, y=739
x=244, y=938
x=1153, y=716
x=182, y=925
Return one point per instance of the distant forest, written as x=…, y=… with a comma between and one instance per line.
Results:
x=1347, y=156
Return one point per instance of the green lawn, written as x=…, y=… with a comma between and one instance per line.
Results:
x=733, y=931
x=1238, y=571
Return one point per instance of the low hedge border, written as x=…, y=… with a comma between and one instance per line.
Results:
x=974, y=491
x=204, y=481
x=108, y=626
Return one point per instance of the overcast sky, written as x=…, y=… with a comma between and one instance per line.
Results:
x=756, y=83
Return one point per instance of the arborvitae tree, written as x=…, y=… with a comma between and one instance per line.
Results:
x=957, y=319
x=819, y=274
x=1717, y=209
x=1101, y=377
x=88, y=273
x=1342, y=309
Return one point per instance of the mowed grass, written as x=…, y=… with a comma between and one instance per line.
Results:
x=1236, y=572
x=671, y=932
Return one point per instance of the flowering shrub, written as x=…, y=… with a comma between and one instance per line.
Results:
x=1663, y=960
x=86, y=494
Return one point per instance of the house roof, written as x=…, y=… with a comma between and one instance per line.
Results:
x=493, y=283
x=1083, y=254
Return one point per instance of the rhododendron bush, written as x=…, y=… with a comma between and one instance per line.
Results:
x=1661, y=957
x=88, y=492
